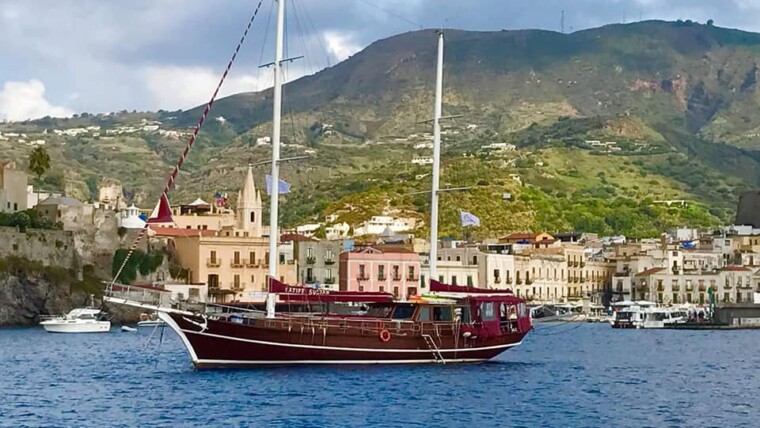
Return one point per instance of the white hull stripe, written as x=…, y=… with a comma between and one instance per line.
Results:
x=338, y=348
x=280, y=362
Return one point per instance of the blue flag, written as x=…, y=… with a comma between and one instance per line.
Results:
x=468, y=219
x=283, y=188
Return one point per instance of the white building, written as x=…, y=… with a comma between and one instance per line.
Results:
x=377, y=224
x=425, y=145
x=308, y=229
x=422, y=160
x=130, y=218
x=263, y=140
x=337, y=231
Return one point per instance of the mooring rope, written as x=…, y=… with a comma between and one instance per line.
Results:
x=188, y=146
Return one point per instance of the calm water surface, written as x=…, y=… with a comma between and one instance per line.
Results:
x=572, y=375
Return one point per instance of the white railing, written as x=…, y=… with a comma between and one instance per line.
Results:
x=140, y=294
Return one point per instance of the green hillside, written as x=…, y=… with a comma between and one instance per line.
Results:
x=606, y=124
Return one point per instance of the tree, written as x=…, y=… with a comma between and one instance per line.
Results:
x=39, y=161
x=710, y=22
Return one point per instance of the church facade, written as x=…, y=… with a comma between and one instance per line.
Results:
x=234, y=260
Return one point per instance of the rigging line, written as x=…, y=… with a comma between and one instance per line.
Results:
x=301, y=34
x=264, y=44
x=313, y=29
x=172, y=176
x=394, y=14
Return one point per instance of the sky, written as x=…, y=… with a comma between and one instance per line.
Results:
x=60, y=57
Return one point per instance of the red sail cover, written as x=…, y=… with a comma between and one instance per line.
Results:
x=446, y=288
x=295, y=293
x=163, y=211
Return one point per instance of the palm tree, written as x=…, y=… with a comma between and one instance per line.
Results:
x=39, y=161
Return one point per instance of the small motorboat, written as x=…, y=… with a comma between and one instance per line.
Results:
x=80, y=320
x=128, y=329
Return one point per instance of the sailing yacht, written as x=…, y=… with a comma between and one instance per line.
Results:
x=456, y=325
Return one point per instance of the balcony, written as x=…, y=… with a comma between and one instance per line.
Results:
x=237, y=286
x=727, y=286
x=381, y=277
x=330, y=261
x=508, y=281
x=528, y=281
x=678, y=288
x=237, y=263
x=310, y=280
x=251, y=264
x=689, y=287
x=330, y=280
x=702, y=287
x=519, y=281
x=362, y=277
x=396, y=278
x=581, y=280
x=412, y=278
x=497, y=280
x=311, y=260
x=675, y=270
x=583, y=264
x=569, y=263
x=214, y=263
x=263, y=262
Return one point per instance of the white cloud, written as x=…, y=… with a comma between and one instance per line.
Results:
x=174, y=87
x=341, y=45
x=26, y=100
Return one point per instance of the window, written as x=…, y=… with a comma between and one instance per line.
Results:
x=252, y=257
x=15, y=206
x=442, y=313
x=236, y=283
x=474, y=260
x=395, y=292
x=213, y=281
x=237, y=257
x=469, y=281
x=361, y=271
x=440, y=278
x=253, y=279
x=282, y=259
x=422, y=281
x=424, y=313
x=309, y=252
x=194, y=293
x=487, y=312
x=411, y=273
x=213, y=256
x=411, y=291
x=396, y=274
x=403, y=312
x=328, y=273
x=381, y=272
x=309, y=275
x=459, y=258
x=253, y=217
x=453, y=280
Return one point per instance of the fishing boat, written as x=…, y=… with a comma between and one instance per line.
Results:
x=451, y=325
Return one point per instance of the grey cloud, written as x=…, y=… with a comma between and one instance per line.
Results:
x=96, y=49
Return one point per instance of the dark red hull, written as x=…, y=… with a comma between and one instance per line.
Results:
x=221, y=342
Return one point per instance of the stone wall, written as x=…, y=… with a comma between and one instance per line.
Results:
x=49, y=247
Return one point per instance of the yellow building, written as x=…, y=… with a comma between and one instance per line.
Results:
x=232, y=261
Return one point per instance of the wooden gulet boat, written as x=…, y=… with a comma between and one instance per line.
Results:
x=460, y=325
x=452, y=325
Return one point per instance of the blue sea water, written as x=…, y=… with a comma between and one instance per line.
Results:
x=571, y=375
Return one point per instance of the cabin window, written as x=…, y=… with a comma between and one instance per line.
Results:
x=442, y=313
x=487, y=312
x=403, y=312
x=465, y=310
x=423, y=314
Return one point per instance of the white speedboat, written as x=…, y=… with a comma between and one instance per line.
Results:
x=629, y=314
x=80, y=320
x=151, y=320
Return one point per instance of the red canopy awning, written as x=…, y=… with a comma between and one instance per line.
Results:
x=296, y=293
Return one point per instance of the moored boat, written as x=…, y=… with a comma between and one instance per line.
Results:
x=80, y=320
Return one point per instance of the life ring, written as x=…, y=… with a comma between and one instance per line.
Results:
x=385, y=335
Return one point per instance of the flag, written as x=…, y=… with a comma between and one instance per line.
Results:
x=467, y=219
x=283, y=187
x=220, y=199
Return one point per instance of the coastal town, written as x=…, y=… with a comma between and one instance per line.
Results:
x=223, y=252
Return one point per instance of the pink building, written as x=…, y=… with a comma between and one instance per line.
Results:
x=381, y=269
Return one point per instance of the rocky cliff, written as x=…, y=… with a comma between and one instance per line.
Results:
x=23, y=298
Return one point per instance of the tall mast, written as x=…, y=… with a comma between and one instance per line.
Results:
x=274, y=233
x=436, y=160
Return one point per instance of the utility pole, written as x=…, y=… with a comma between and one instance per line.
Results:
x=562, y=22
